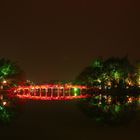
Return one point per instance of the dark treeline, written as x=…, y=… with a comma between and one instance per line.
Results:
x=11, y=76
x=114, y=89
x=110, y=72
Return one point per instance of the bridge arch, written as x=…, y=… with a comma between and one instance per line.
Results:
x=51, y=92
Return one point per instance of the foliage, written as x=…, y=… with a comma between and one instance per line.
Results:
x=10, y=72
x=136, y=75
x=101, y=72
x=114, y=89
x=109, y=114
x=10, y=109
x=10, y=75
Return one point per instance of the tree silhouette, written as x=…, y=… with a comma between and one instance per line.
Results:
x=102, y=72
x=117, y=95
x=10, y=72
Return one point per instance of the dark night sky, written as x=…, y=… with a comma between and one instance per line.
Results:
x=56, y=39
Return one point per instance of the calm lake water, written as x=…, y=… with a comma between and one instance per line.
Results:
x=62, y=120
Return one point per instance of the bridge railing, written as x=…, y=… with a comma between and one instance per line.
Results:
x=51, y=92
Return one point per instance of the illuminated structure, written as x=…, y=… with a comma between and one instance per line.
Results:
x=51, y=92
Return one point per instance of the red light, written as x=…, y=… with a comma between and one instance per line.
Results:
x=52, y=97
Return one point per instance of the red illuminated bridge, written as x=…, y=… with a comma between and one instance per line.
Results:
x=51, y=92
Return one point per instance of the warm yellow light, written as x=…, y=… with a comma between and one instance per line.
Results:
x=109, y=100
x=139, y=82
x=129, y=83
x=1, y=97
x=99, y=80
x=130, y=100
x=4, y=103
x=109, y=84
x=139, y=99
x=4, y=81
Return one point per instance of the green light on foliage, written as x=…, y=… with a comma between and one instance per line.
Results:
x=117, y=108
x=97, y=63
x=1, y=108
x=6, y=70
x=116, y=74
x=5, y=116
x=75, y=89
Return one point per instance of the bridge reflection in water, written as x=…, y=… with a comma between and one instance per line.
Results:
x=51, y=92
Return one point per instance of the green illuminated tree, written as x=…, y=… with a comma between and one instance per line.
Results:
x=115, y=93
x=136, y=74
x=10, y=76
x=91, y=74
x=118, y=70
x=10, y=72
x=100, y=72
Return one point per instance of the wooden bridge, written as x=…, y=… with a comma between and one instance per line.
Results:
x=51, y=92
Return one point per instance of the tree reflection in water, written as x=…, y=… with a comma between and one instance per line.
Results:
x=104, y=112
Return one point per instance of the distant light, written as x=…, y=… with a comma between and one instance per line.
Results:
x=4, y=103
x=129, y=83
x=15, y=91
x=100, y=102
x=109, y=84
x=99, y=81
x=4, y=81
x=109, y=100
x=130, y=100
x=1, y=97
x=139, y=82
x=75, y=89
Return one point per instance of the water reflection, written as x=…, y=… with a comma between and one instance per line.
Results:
x=10, y=108
x=111, y=108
